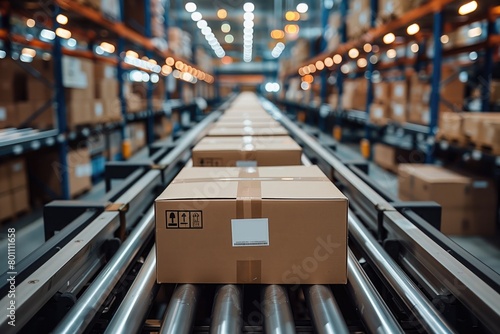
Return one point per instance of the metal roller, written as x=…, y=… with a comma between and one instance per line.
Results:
x=181, y=309
x=227, y=310
x=324, y=310
x=278, y=316
x=82, y=313
x=423, y=310
x=373, y=310
x=133, y=309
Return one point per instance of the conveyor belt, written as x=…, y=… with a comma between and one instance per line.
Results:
x=380, y=297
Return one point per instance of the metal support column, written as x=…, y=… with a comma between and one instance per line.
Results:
x=324, y=24
x=436, y=79
x=60, y=109
x=149, y=84
x=369, y=71
x=485, y=78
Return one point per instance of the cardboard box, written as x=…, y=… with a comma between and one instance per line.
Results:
x=78, y=79
x=47, y=118
x=451, y=126
x=379, y=113
x=247, y=151
x=398, y=112
x=48, y=169
x=490, y=136
x=37, y=90
x=389, y=157
x=222, y=131
x=112, y=110
x=98, y=115
x=473, y=123
x=382, y=92
x=106, y=88
x=4, y=177
x=8, y=115
x=399, y=91
x=20, y=199
x=258, y=223
x=17, y=173
x=469, y=194
x=495, y=92
x=451, y=88
x=389, y=9
x=6, y=209
x=79, y=112
x=354, y=94
x=419, y=114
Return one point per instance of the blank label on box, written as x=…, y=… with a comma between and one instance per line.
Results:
x=250, y=232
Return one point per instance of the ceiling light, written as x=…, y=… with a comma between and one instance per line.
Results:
x=308, y=78
x=179, y=65
x=131, y=54
x=63, y=33
x=413, y=29
x=225, y=27
x=62, y=19
x=190, y=7
x=389, y=38
x=292, y=16
x=248, y=24
x=344, y=68
x=328, y=62
x=362, y=62
x=28, y=52
x=312, y=68
x=445, y=39
x=467, y=8
x=301, y=71
x=353, y=53
x=291, y=29
x=474, y=32
x=248, y=16
x=306, y=70
x=196, y=16
x=248, y=7
x=373, y=59
x=30, y=23
x=320, y=65
x=337, y=59
x=248, y=30
x=277, y=34
x=166, y=70
x=47, y=34
x=414, y=48
x=280, y=46
x=367, y=47
x=391, y=53
x=107, y=47
x=473, y=55
x=201, y=24
x=72, y=42
x=302, y=8
x=221, y=13
x=229, y=38
x=304, y=85
x=3, y=54
x=205, y=31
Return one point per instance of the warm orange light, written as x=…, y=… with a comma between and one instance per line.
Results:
x=367, y=47
x=292, y=16
x=221, y=13
x=312, y=68
x=301, y=71
x=166, y=70
x=170, y=61
x=277, y=34
x=308, y=78
x=320, y=65
x=328, y=62
x=292, y=29
x=337, y=59
x=179, y=65
x=226, y=60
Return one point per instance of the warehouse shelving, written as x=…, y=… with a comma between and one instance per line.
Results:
x=432, y=11
x=62, y=136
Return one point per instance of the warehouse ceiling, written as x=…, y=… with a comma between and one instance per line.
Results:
x=268, y=15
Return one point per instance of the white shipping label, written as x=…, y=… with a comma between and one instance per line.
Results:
x=378, y=113
x=72, y=74
x=140, y=134
x=399, y=91
x=185, y=119
x=98, y=109
x=425, y=116
x=480, y=184
x=109, y=72
x=246, y=163
x=83, y=170
x=250, y=232
x=3, y=113
x=397, y=110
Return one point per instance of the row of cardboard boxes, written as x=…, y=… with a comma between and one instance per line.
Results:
x=91, y=94
x=472, y=208
x=260, y=223
x=82, y=164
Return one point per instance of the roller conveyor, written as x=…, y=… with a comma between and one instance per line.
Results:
x=382, y=294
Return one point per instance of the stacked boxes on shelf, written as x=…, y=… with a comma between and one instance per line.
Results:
x=419, y=99
x=380, y=108
x=14, y=192
x=137, y=134
x=391, y=9
x=106, y=94
x=354, y=94
x=358, y=19
x=452, y=90
x=399, y=101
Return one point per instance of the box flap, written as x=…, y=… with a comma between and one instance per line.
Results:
x=247, y=143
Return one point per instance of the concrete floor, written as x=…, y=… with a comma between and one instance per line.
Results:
x=30, y=233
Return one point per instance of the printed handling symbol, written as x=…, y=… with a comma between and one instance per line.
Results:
x=183, y=220
x=172, y=221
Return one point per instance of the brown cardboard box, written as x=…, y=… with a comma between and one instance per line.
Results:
x=473, y=123
x=17, y=173
x=79, y=112
x=6, y=210
x=247, y=151
x=78, y=78
x=106, y=88
x=420, y=92
x=419, y=114
x=98, y=113
x=222, y=131
x=11, y=85
x=452, y=89
x=354, y=94
x=389, y=157
x=399, y=91
x=112, y=110
x=163, y=127
x=382, y=92
x=469, y=194
x=46, y=119
x=251, y=225
x=20, y=199
x=451, y=126
x=379, y=113
x=395, y=8
x=398, y=112
x=8, y=115
x=37, y=90
x=137, y=135
x=495, y=91
x=4, y=177
x=489, y=137
x=48, y=169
